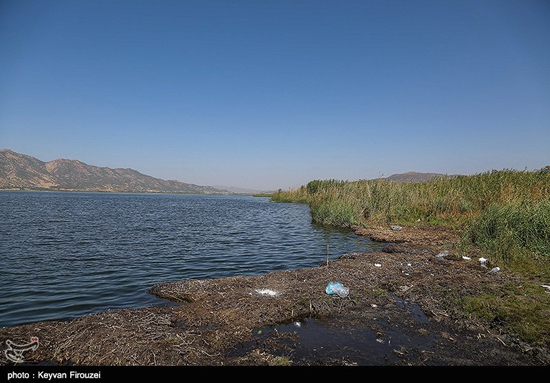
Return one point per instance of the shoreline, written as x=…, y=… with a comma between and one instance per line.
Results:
x=214, y=317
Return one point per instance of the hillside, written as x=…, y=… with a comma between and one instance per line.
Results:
x=20, y=171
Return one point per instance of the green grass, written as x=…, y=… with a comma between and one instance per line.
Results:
x=506, y=214
x=512, y=231
x=523, y=309
x=445, y=200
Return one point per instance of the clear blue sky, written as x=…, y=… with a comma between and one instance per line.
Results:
x=272, y=94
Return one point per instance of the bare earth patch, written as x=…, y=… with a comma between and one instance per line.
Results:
x=397, y=313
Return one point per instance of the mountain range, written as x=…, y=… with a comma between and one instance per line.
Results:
x=22, y=172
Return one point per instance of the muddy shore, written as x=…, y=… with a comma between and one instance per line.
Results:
x=396, y=314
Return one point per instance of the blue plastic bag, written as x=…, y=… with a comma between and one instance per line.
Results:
x=337, y=288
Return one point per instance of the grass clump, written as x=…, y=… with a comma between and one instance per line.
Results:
x=512, y=231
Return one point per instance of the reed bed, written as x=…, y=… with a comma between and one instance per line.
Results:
x=504, y=212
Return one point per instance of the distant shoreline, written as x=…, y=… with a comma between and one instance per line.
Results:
x=109, y=191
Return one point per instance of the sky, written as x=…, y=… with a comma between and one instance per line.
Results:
x=270, y=95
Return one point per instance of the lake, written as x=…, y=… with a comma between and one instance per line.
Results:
x=69, y=254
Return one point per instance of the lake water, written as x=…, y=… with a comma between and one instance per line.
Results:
x=65, y=255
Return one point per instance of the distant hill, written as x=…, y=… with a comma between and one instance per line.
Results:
x=238, y=190
x=20, y=171
x=413, y=177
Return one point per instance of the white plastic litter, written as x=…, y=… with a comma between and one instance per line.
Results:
x=466, y=258
x=377, y=265
x=395, y=227
x=267, y=292
x=442, y=254
x=483, y=262
x=495, y=270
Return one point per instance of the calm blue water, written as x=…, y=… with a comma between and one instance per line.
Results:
x=68, y=254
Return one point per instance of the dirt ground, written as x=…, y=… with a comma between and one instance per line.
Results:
x=397, y=313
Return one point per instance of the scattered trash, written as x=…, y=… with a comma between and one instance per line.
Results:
x=395, y=227
x=337, y=288
x=495, y=270
x=483, y=262
x=377, y=265
x=466, y=258
x=444, y=253
x=546, y=287
x=267, y=292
